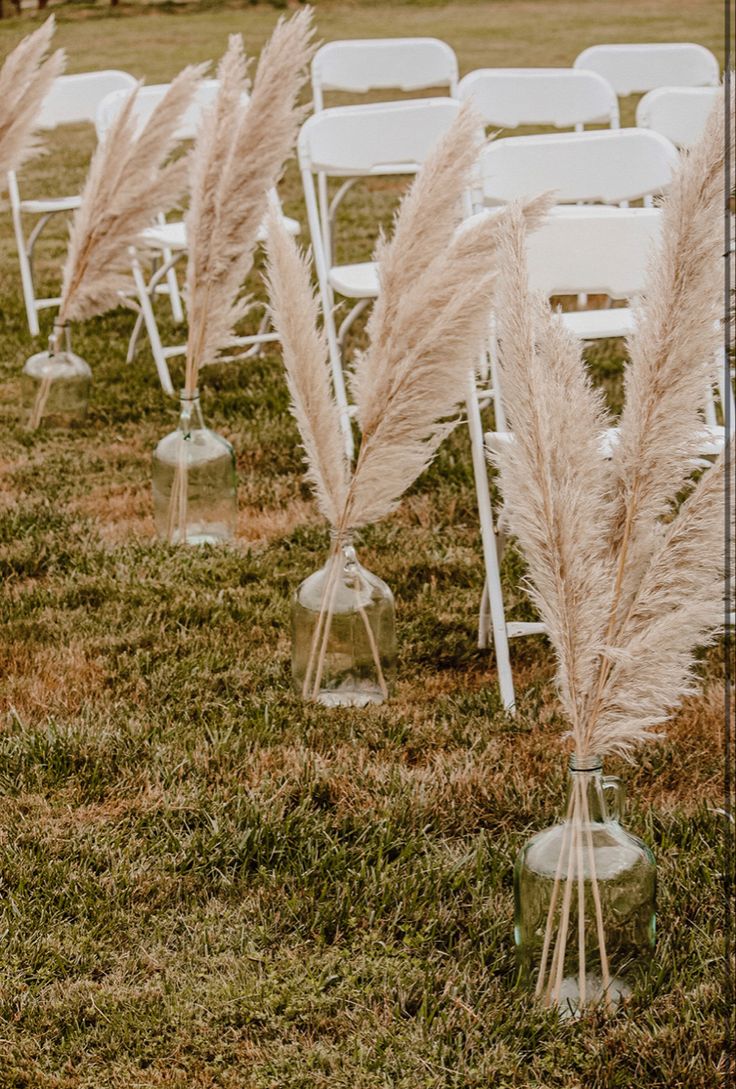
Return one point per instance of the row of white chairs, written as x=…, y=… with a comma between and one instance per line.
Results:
x=412, y=64
x=584, y=94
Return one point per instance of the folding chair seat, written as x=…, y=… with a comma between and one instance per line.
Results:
x=347, y=142
x=71, y=100
x=559, y=97
x=679, y=113
x=166, y=242
x=637, y=68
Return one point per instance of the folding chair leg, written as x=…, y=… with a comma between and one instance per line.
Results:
x=177, y=310
x=149, y=320
x=490, y=554
x=26, y=277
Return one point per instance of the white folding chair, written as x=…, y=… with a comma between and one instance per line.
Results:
x=561, y=97
x=361, y=65
x=72, y=99
x=365, y=65
x=166, y=241
x=636, y=68
x=679, y=113
x=600, y=167
x=389, y=138
x=601, y=251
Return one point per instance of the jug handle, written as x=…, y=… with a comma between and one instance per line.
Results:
x=615, y=794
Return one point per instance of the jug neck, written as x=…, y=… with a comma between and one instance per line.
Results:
x=342, y=541
x=60, y=339
x=586, y=773
x=190, y=414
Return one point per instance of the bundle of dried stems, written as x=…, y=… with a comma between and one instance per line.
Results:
x=627, y=581
x=425, y=334
x=25, y=80
x=239, y=155
x=130, y=180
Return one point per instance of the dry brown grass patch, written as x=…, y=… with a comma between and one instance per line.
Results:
x=41, y=681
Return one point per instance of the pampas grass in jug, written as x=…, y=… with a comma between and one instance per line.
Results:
x=425, y=334
x=239, y=154
x=627, y=576
x=129, y=182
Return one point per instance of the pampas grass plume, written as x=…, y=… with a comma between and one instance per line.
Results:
x=25, y=80
x=130, y=180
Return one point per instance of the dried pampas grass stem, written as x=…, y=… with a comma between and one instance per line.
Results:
x=425, y=335
x=627, y=579
x=239, y=154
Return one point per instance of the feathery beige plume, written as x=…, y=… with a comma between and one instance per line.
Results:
x=678, y=604
x=626, y=596
x=424, y=225
x=423, y=348
x=673, y=353
x=552, y=476
x=294, y=307
x=25, y=81
x=239, y=156
x=128, y=183
x=423, y=345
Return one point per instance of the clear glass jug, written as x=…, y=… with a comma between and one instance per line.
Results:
x=343, y=633
x=194, y=482
x=583, y=943
x=56, y=384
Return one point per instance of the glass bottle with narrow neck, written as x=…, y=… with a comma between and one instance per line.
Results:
x=585, y=944
x=56, y=384
x=343, y=632
x=194, y=481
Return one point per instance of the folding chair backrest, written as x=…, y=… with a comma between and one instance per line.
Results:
x=609, y=167
x=634, y=69
x=146, y=101
x=679, y=113
x=579, y=250
x=76, y=98
x=373, y=64
x=563, y=97
x=379, y=138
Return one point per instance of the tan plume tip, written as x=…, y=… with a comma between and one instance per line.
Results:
x=239, y=155
x=25, y=80
x=131, y=179
x=294, y=308
x=628, y=580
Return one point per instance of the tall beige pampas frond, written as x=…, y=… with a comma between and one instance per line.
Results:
x=626, y=595
x=25, y=80
x=239, y=156
x=552, y=475
x=295, y=308
x=673, y=353
x=424, y=346
x=130, y=180
x=425, y=353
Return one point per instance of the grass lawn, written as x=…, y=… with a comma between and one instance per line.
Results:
x=205, y=882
